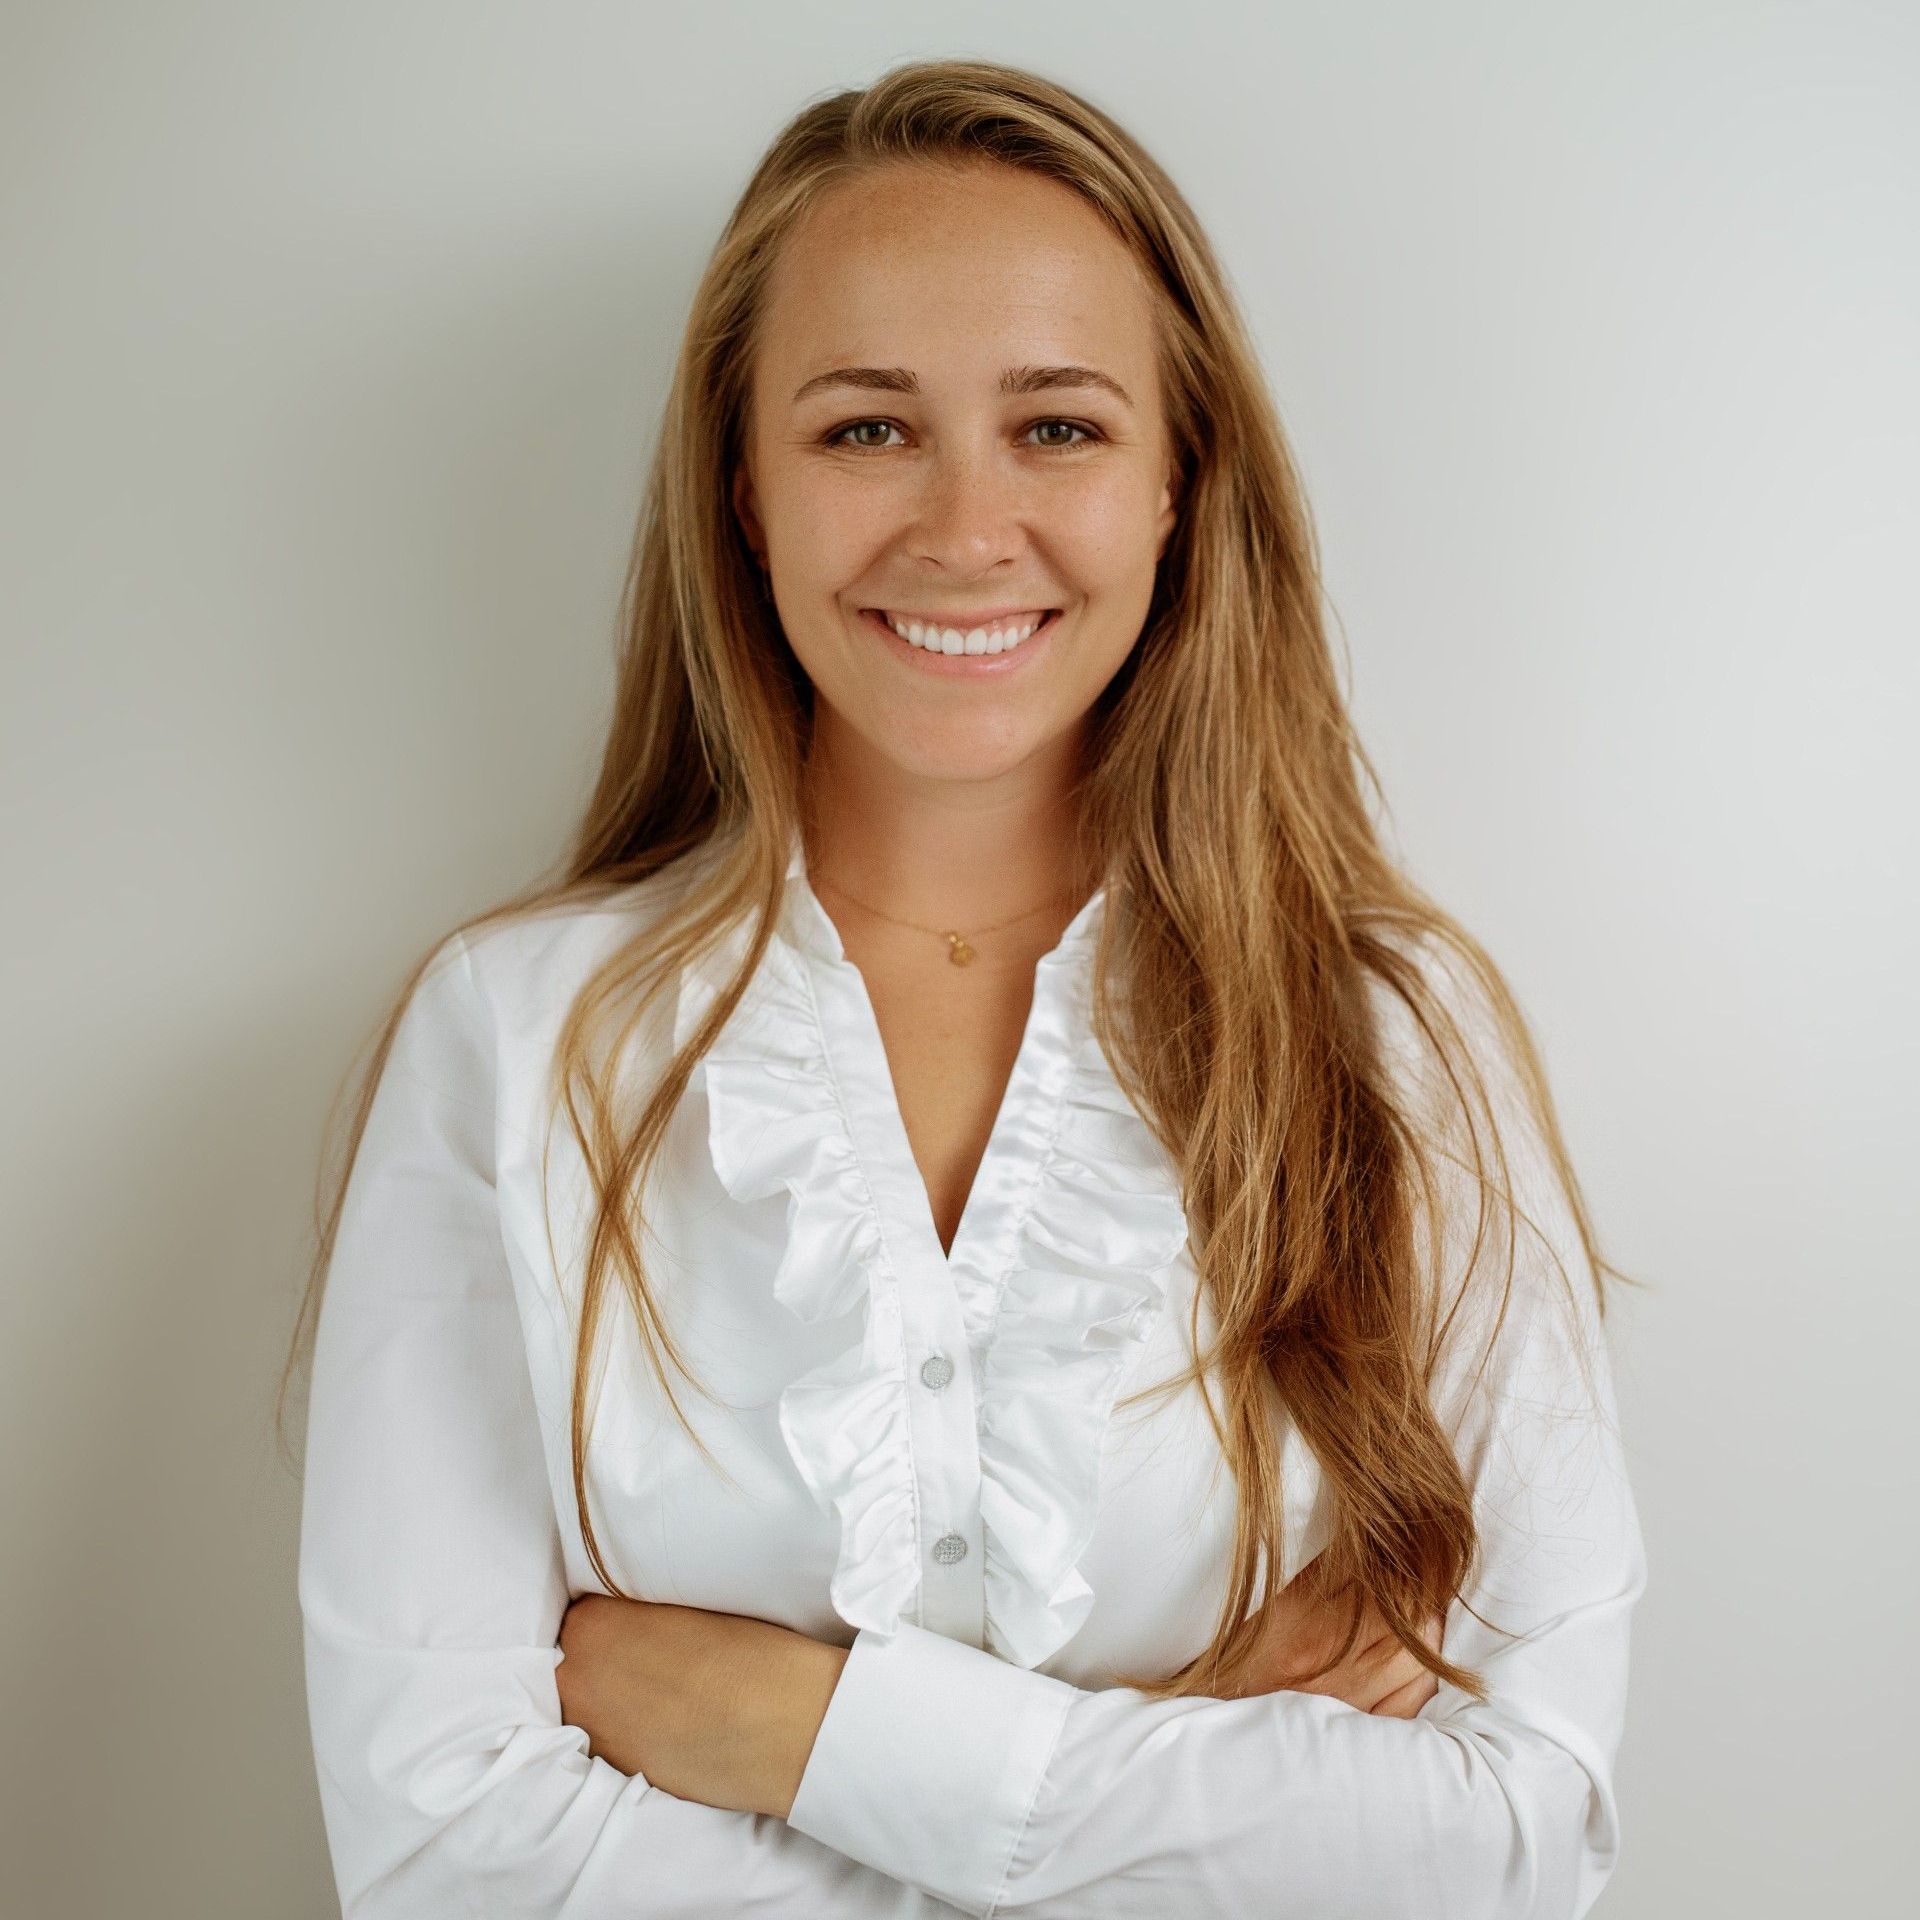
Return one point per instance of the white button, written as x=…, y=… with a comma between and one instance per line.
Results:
x=937, y=1371
x=949, y=1548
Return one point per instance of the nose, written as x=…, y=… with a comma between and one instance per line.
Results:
x=969, y=517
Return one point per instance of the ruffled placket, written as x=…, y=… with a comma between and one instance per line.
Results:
x=958, y=1435
x=774, y=1124
x=1084, y=1290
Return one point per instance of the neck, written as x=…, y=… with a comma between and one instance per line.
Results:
x=947, y=852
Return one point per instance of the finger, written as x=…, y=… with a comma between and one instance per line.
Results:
x=1384, y=1675
x=1405, y=1702
x=1386, y=1644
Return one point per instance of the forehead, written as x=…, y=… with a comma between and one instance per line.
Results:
x=938, y=269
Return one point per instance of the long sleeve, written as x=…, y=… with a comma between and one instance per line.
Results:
x=431, y=1576
x=1011, y=1792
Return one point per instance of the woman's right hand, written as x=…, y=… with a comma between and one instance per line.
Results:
x=1307, y=1625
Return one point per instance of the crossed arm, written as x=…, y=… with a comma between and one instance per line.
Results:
x=725, y=1710
x=908, y=1774
x=710, y=1706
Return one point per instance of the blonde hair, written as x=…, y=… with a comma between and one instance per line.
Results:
x=1256, y=927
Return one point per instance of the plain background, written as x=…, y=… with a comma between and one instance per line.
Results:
x=331, y=358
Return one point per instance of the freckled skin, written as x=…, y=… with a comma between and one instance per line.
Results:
x=940, y=799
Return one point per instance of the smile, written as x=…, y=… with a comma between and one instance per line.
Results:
x=934, y=635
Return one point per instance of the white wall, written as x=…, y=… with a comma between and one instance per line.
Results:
x=331, y=352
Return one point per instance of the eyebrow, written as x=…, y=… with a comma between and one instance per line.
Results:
x=1014, y=380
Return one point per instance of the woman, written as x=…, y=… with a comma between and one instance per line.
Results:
x=977, y=988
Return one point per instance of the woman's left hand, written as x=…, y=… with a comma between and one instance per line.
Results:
x=714, y=1707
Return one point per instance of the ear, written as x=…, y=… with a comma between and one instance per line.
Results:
x=744, y=512
x=1169, y=509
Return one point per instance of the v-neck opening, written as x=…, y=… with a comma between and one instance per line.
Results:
x=1029, y=1102
x=1018, y=1142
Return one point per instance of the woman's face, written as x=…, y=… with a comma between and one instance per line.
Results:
x=933, y=440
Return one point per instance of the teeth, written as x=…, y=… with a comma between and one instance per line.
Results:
x=952, y=640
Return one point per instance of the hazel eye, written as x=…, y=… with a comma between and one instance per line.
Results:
x=1073, y=426
x=839, y=438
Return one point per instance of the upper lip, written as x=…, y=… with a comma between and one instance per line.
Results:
x=963, y=621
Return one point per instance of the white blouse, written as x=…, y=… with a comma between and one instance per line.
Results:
x=923, y=1464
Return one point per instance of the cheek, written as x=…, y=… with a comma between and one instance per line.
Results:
x=830, y=517
x=1104, y=530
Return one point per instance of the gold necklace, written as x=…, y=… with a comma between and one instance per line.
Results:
x=959, y=950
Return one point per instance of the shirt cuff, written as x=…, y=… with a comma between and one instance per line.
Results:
x=928, y=1760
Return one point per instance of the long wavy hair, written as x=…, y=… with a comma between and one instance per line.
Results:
x=1256, y=925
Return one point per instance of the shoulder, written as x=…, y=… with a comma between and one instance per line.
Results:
x=1435, y=1006
x=527, y=967
x=1468, y=1074
x=495, y=995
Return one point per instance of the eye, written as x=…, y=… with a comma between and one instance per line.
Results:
x=1064, y=446
x=839, y=436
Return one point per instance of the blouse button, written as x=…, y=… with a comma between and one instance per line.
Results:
x=937, y=1371
x=949, y=1548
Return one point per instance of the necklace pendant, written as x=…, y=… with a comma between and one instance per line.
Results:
x=958, y=951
